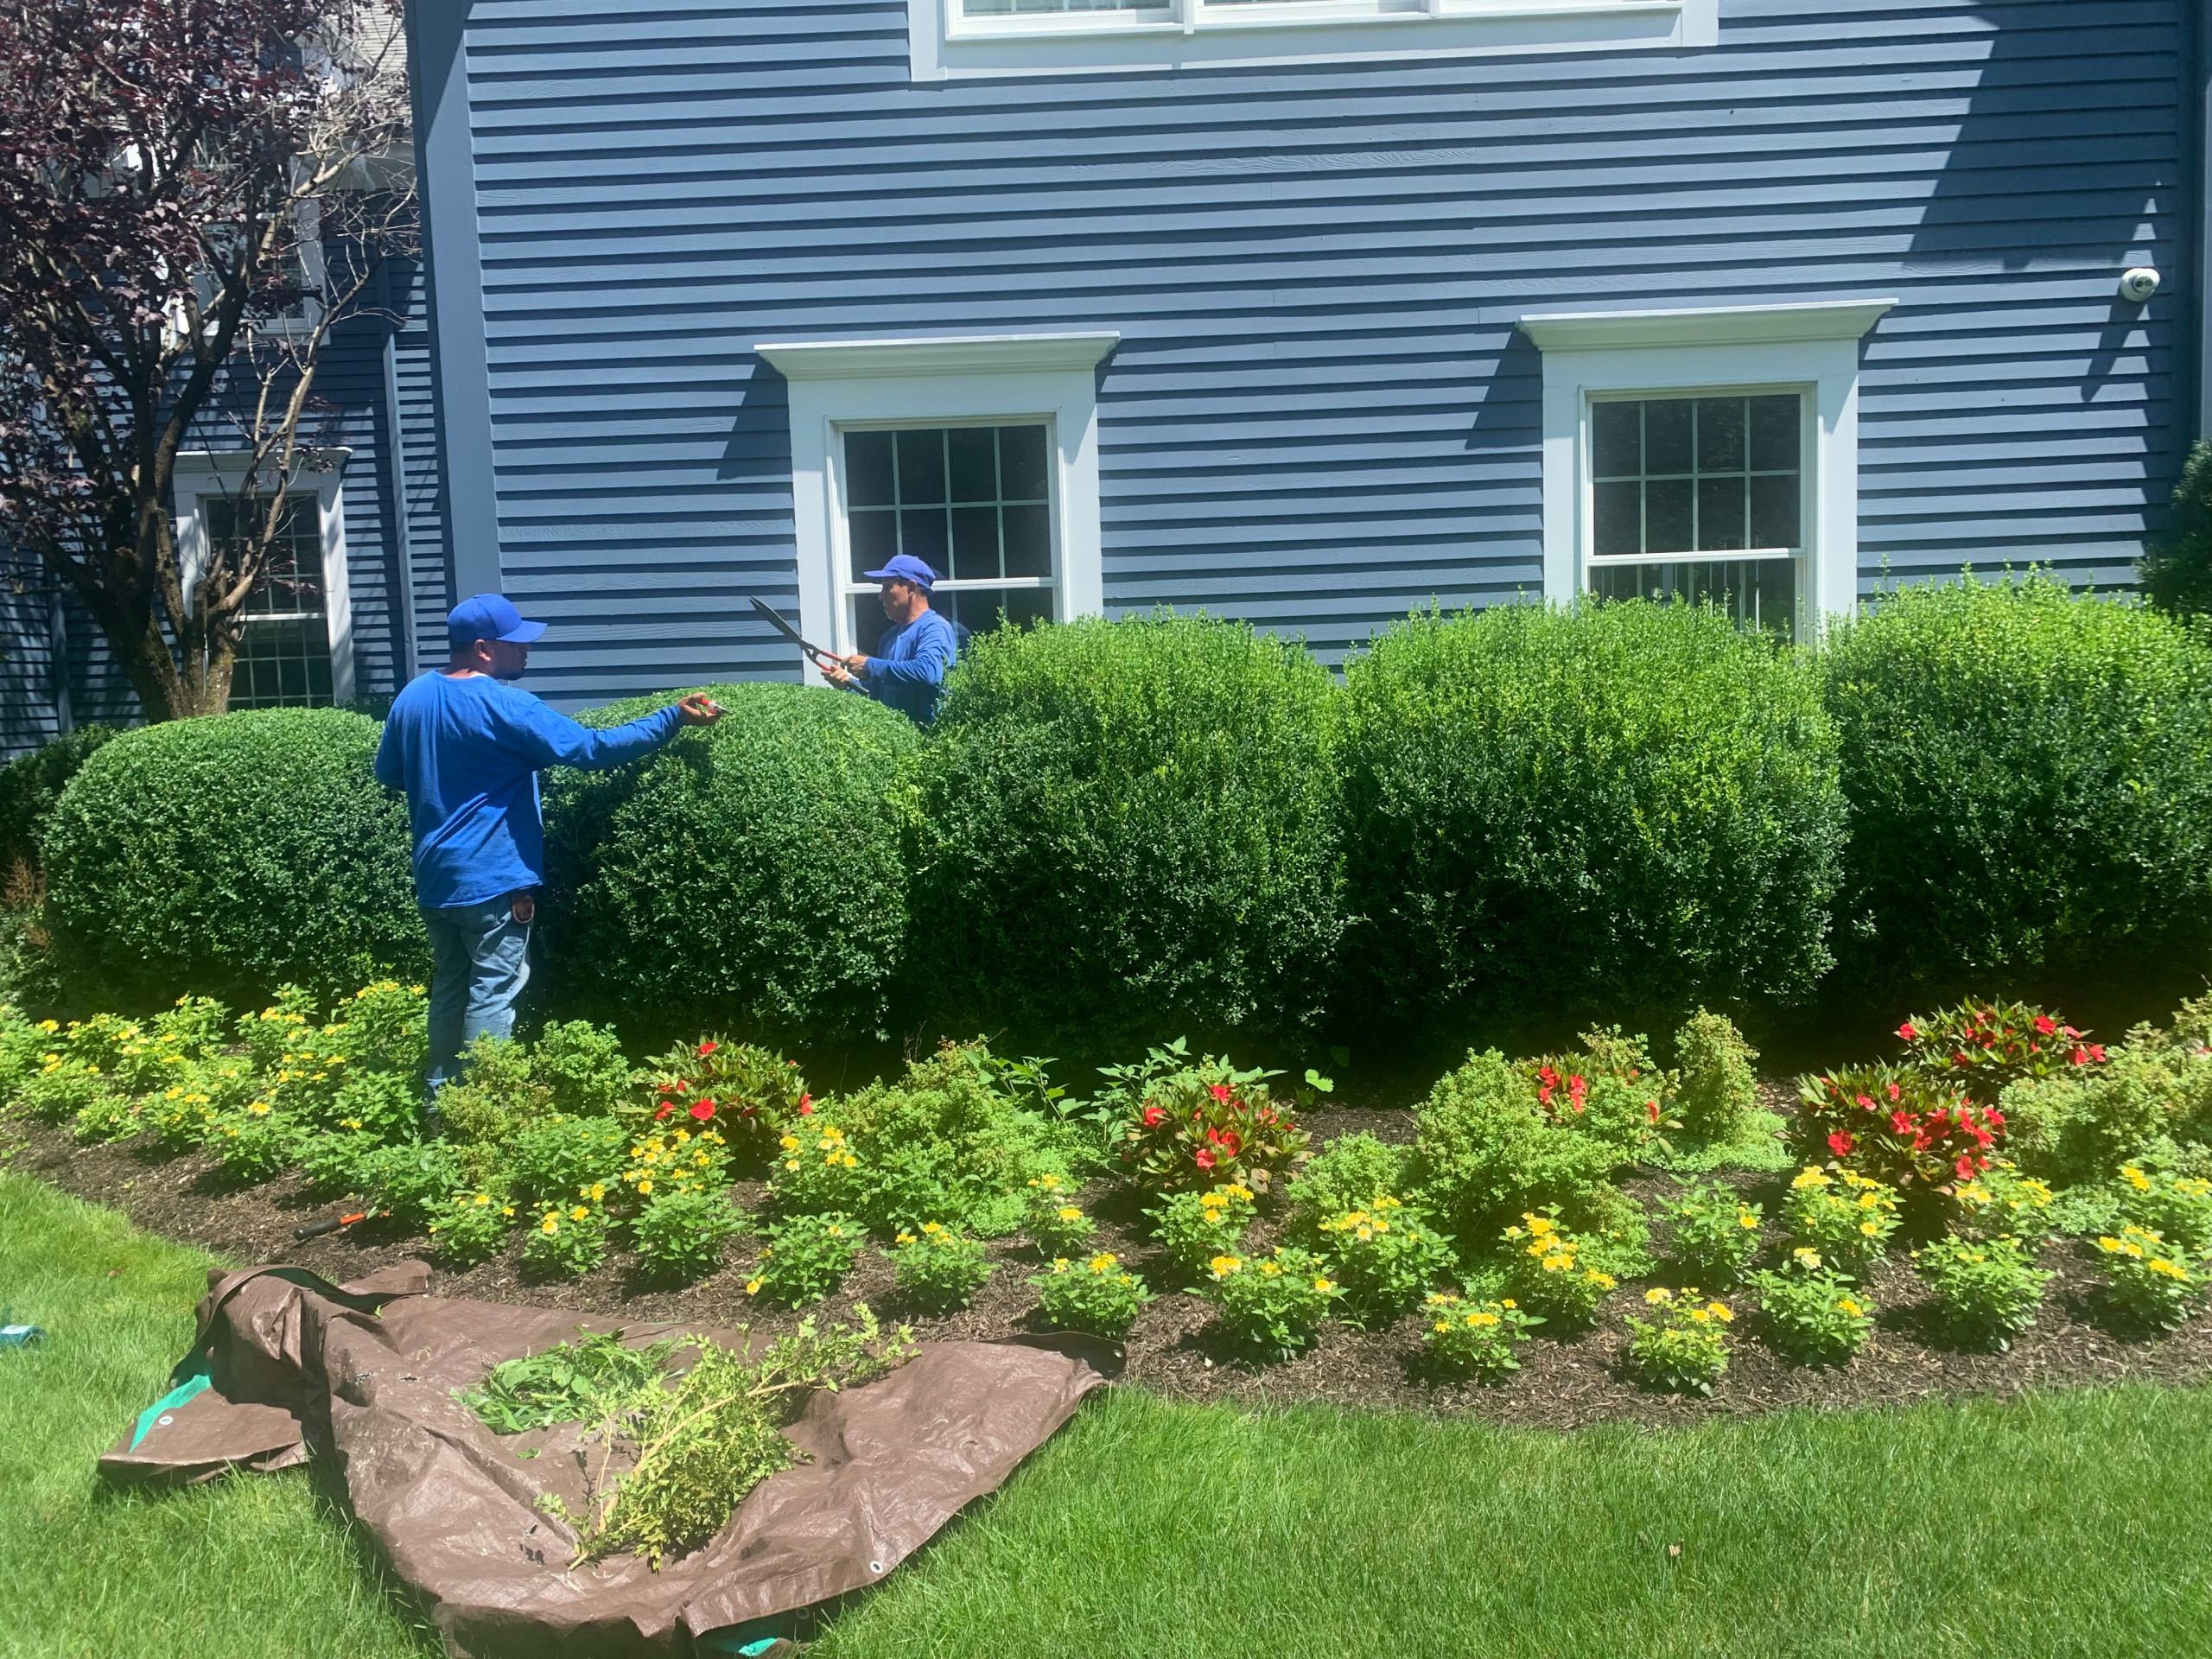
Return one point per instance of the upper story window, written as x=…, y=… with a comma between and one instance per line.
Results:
x=950, y=38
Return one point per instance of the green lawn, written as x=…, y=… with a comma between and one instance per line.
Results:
x=2071, y=1525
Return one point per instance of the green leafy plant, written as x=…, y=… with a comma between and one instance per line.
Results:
x=1845, y=1217
x=1096, y=1294
x=1559, y=811
x=30, y=787
x=1810, y=1312
x=1271, y=1305
x=750, y=1095
x=1683, y=1347
x=2178, y=1208
x=1897, y=1126
x=568, y=1238
x=1612, y=1089
x=576, y=1382
x=1485, y=1151
x=676, y=1160
x=937, y=1267
x=806, y=1257
x=2002, y=1200
x=1123, y=823
x=2176, y=569
x=474, y=1227
x=1545, y=1271
x=1385, y=1256
x=1717, y=1089
x=553, y=1157
x=681, y=1231
x=1350, y=1173
x=1193, y=1228
x=256, y=1144
x=1474, y=1338
x=2152, y=1281
x=1055, y=1222
x=1205, y=1125
x=1716, y=1234
x=1980, y=1047
x=1986, y=1291
x=105, y=1119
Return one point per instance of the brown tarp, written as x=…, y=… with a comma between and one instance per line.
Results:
x=367, y=1371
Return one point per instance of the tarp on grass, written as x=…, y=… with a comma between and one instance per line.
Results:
x=367, y=1370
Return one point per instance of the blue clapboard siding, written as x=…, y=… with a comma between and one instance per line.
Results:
x=1321, y=415
x=425, y=509
x=28, y=714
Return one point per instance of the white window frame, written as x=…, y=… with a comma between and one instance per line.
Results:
x=1721, y=351
x=975, y=380
x=945, y=44
x=202, y=475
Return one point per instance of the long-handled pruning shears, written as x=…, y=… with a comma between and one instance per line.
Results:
x=820, y=658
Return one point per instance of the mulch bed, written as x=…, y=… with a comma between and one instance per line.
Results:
x=1172, y=1350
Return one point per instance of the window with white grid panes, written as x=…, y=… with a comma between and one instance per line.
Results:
x=1700, y=499
x=284, y=655
x=974, y=503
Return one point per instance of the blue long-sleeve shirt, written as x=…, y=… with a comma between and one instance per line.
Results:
x=467, y=752
x=907, y=670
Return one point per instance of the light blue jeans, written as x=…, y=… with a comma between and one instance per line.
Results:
x=479, y=959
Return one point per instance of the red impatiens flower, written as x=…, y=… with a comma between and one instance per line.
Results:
x=1219, y=1091
x=702, y=1109
x=1965, y=1166
x=1228, y=1141
x=2045, y=1024
x=708, y=1047
x=1152, y=1115
x=1908, y=1030
x=1901, y=1123
x=1841, y=1144
x=1206, y=1158
x=1651, y=1110
x=806, y=1105
x=665, y=1109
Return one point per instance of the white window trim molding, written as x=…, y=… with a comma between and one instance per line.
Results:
x=944, y=45
x=1002, y=378
x=204, y=472
x=1811, y=347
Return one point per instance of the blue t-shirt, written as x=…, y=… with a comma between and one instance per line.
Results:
x=907, y=670
x=467, y=752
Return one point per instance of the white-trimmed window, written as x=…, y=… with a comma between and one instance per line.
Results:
x=1707, y=455
x=296, y=647
x=978, y=455
x=954, y=38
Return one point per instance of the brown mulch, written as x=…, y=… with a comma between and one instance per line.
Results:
x=1172, y=1351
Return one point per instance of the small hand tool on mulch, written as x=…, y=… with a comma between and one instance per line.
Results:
x=815, y=652
x=331, y=1223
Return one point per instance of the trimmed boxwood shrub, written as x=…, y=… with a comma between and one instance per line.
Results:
x=750, y=878
x=1553, y=814
x=2030, y=774
x=1130, y=828
x=29, y=787
x=225, y=855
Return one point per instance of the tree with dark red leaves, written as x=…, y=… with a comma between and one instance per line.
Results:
x=194, y=195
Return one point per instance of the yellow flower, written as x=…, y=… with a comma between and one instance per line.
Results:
x=1442, y=1325
x=550, y=1225
x=904, y=1238
x=2164, y=1268
x=1509, y=1302
x=790, y=1143
x=1655, y=1296
x=1745, y=1218
x=1721, y=1312
x=1812, y=1177
x=791, y=1163
x=259, y=1108
x=580, y=1214
x=1808, y=1256
x=644, y=1186
x=1323, y=1286
x=1224, y=1265
x=753, y=1286
x=1869, y=1227
x=483, y=1198
x=1069, y=1212
x=506, y=1209
x=1603, y=1281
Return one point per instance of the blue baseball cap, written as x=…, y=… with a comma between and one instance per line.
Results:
x=488, y=616
x=906, y=568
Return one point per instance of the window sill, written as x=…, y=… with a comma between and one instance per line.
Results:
x=946, y=46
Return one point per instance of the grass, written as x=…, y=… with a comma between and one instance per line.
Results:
x=2064, y=1525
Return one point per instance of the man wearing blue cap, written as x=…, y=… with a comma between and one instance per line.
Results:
x=907, y=670
x=466, y=744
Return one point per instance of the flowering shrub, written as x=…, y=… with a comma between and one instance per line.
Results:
x=1193, y=1228
x=1272, y=1304
x=1683, y=1348
x=1546, y=1272
x=816, y=1169
x=1716, y=1233
x=1845, y=1217
x=2152, y=1281
x=1899, y=1126
x=2001, y=1200
x=752, y=1095
x=1811, y=1312
x=553, y=1156
x=2178, y=1208
x=681, y=1230
x=1486, y=1152
x=677, y=1161
x=1350, y=1173
x=1209, y=1125
x=257, y=1143
x=805, y=1258
x=1474, y=1338
x=473, y=1227
x=1384, y=1257
x=938, y=1268
x=1097, y=1294
x=104, y=1118
x=1981, y=1047
x=1613, y=1091
x=1986, y=1291
x=568, y=1239
x=1056, y=1223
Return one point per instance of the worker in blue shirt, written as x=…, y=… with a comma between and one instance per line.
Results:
x=907, y=670
x=465, y=744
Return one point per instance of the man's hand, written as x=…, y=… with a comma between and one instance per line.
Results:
x=700, y=709
x=841, y=670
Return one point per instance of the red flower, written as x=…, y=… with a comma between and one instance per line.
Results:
x=1219, y=1091
x=2080, y=1056
x=702, y=1109
x=2045, y=1024
x=1152, y=1115
x=1896, y=1093
x=1867, y=1103
x=2069, y=1031
x=2097, y=1052
x=1901, y=1123
x=1908, y=1030
x=806, y=1107
x=1965, y=1166
x=1206, y=1158
x=1651, y=1110
x=1841, y=1144
x=665, y=1109
x=1228, y=1141
x=708, y=1047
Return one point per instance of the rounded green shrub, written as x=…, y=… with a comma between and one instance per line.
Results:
x=749, y=877
x=227, y=856
x=2030, y=774
x=1632, y=807
x=1129, y=828
x=31, y=786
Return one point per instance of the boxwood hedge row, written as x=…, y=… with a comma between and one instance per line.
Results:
x=1120, y=830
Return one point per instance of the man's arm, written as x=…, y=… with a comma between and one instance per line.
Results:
x=554, y=739
x=390, y=773
x=932, y=657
